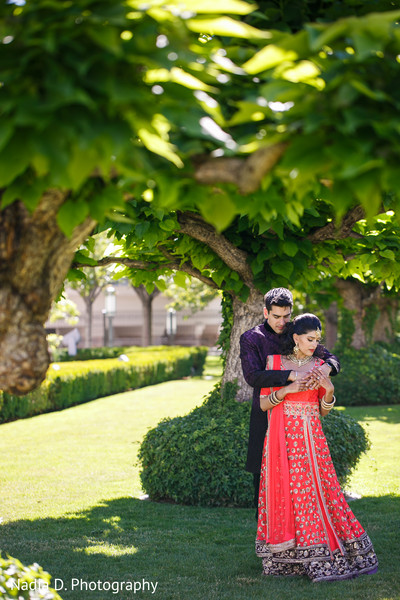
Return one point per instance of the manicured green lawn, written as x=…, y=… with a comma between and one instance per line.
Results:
x=70, y=500
x=378, y=472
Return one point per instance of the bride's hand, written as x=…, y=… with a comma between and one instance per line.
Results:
x=299, y=385
x=326, y=383
x=313, y=378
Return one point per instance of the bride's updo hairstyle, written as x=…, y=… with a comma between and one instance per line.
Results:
x=300, y=324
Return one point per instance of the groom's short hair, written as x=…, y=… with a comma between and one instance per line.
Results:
x=278, y=297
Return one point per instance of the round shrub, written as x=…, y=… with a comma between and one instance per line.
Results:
x=199, y=458
x=24, y=583
x=347, y=441
x=368, y=376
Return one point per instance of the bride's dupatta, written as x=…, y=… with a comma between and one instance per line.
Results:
x=280, y=526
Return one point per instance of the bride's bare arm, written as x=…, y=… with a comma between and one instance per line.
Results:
x=272, y=400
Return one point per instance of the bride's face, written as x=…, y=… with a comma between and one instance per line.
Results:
x=307, y=342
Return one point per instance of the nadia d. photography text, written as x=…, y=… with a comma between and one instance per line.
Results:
x=77, y=584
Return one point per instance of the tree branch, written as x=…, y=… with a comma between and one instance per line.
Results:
x=122, y=260
x=246, y=174
x=332, y=232
x=236, y=259
x=174, y=265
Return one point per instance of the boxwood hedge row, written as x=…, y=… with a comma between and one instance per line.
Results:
x=73, y=383
x=368, y=376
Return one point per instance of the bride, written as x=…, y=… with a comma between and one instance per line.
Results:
x=305, y=526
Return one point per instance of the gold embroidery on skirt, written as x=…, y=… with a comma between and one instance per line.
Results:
x=300, y=409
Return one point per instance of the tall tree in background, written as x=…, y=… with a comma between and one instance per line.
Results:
x=89, y=282
x=356, y=314
x=190, y=295
x=146, y=299
x=373, y=313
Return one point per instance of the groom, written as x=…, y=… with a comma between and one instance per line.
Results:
x=255, y=345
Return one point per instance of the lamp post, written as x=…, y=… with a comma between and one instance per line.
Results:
x=170, y=325
x=110, y=305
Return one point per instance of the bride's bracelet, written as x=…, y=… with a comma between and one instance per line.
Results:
x=328, y=405
x=273, y=399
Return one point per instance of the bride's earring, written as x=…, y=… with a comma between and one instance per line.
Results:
x=296, y=349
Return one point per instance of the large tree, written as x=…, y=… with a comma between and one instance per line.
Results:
x=222, y=119
x=244, y=262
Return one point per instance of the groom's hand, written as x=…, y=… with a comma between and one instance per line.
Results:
x=313, y=377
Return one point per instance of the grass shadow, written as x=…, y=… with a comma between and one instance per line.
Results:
x=189, y=552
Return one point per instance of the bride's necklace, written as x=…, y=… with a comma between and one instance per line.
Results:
x=299, y=361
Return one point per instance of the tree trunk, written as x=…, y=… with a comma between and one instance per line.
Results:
x=147, y=310
x=89, y=326
x=89, y=299
x=331, y=325
x=245, y=316
x=385, y=325
x=373, y=314
x=34, y=259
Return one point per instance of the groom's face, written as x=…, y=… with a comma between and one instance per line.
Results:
x=277, y=317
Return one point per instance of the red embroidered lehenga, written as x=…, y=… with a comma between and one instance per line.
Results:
x=305, y=526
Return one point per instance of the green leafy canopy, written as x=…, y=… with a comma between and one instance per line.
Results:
x=119, y=103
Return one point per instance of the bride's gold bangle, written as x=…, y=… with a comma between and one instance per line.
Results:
x=328, y=405
x=273, y=399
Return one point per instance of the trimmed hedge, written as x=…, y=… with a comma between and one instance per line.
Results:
x=61, y=354
x=368, y=376
x=70, y=383
x=199, y=458
x=28, y=583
